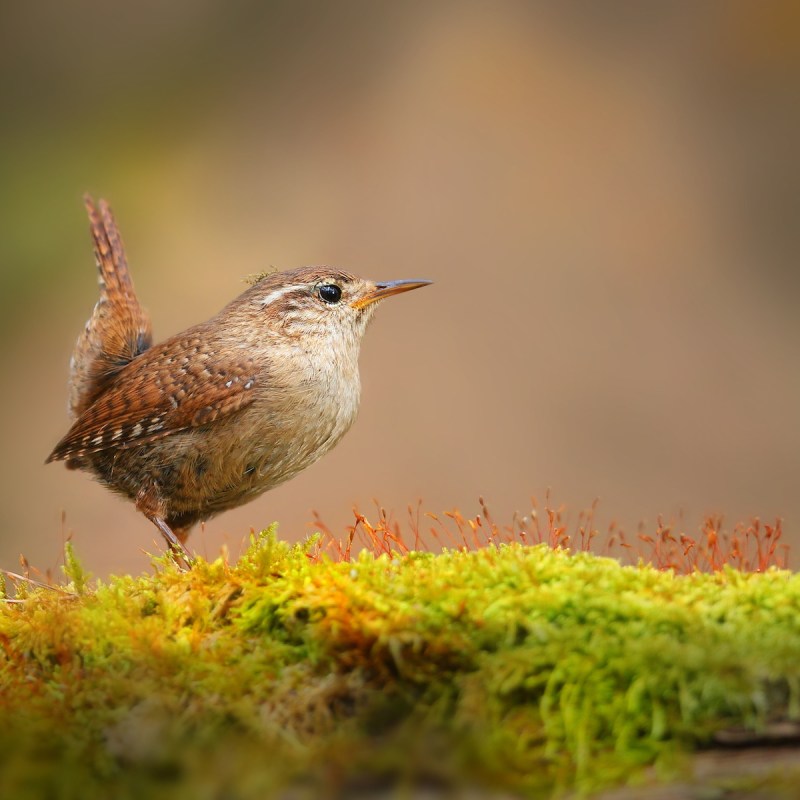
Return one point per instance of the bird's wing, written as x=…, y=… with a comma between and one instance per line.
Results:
x=168, y=389
x=119, y=328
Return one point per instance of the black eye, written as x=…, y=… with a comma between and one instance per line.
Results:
x=330, y=293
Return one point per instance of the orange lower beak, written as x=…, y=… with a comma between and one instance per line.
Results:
x=387, y=289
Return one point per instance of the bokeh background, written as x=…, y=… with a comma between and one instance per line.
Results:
x=606, y=195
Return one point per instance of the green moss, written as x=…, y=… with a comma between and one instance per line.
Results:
x=524, y=668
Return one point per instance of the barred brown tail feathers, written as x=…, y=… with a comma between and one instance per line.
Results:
x=119, y=328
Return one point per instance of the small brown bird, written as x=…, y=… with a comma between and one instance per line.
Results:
x=218, y=414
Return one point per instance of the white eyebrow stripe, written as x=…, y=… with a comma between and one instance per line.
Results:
x=274, y=295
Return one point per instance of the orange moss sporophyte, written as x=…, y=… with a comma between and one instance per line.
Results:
x=506, y=660
x=750, y=547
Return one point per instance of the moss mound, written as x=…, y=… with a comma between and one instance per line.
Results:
x=524, y=669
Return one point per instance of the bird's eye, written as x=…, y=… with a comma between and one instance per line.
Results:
x=330, y=293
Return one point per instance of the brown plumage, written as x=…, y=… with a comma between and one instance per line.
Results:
x=218, y=414
x=119, y=328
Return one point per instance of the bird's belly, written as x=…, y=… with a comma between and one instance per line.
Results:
x=250, y=453
x=202, y=471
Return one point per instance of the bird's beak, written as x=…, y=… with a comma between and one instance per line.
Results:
x=387, y=289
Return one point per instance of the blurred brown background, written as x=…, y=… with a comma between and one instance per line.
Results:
x=606, y=195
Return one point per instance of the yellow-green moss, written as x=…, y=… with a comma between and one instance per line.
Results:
x=524, y=668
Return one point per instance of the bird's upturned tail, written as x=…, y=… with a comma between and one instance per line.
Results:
x=119, y=328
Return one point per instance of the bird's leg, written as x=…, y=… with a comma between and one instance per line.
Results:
x=174, y=544
x=148, y=503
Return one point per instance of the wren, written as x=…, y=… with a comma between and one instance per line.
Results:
x=214, y=416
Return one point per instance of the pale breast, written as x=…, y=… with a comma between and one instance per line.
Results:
x=291, y=424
